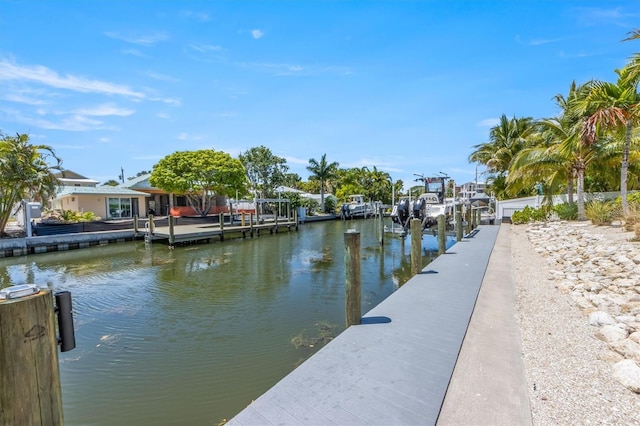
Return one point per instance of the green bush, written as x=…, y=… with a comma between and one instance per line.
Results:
x=566, y=211
x=600, y=212
x=529, y=214
x=330, y=204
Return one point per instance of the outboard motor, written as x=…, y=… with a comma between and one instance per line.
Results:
x=418, y=208
x=402, y=212
x=344, y=211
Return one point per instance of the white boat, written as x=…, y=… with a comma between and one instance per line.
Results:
x=356, y=207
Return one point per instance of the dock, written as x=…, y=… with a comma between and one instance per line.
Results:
x=206, y=232
x=395, y=368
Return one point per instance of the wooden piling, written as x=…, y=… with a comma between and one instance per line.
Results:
x=458, y=225
x=251, y=224
x=30, y=391
x=242, y=219
x=381, y=226
x=221, y=220
x=416, y=246
x=442, y=235
x=135, y=225
x=467, y=228
x=151, y=224
x=172, y=237
x=353, y=278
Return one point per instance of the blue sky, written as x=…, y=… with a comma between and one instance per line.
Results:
x=406, y=86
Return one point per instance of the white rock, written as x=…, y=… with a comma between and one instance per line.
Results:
x=627, y=373
x=611, y=333
x=600, y=318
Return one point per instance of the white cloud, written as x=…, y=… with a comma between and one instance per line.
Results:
x=104, y=110
x=133, y=52
x=104, y=140
x=138, y=39
x=161, y=77
x=205, y=48
x=198, y=16
x=14, y=97
x=43, y=75
x=489, y=122
x=257, y=34
x=163, y=115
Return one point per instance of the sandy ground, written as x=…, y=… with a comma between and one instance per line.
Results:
x=568, y=370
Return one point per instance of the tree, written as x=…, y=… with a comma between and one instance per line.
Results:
x=505, y=140
x=200, y=176
x=25, y=172
x=615, y=108
x=265, y=170
x=111, y=182
x=324, y=172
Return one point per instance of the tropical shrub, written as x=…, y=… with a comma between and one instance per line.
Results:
x=600, y=212
x=330, y=204
x=566, y=211
x=529, y=214
x=68, y=216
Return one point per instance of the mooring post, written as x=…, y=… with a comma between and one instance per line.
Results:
x=353, y=276
x=135, y=225
x=172, y=237
x=242, y=219
x=459, y=224
x=467, y=214
x=151, y=224
x=479, y=214
x=442, y=235
x=381, y=226
x=251, y=224
x=221, y=220
x=30, y=391
x=416, y=246
x=295, y=217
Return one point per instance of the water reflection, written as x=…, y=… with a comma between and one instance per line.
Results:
x=192, y=335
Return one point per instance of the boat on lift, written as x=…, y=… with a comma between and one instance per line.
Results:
x=426, y=207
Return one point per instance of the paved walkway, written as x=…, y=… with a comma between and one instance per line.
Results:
x=488, y=386
x=396, y=368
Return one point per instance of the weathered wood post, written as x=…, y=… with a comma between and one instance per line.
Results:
x=353, y=277
x=416, y=246
x=467, y=215
x=151, y=224
x=172, y=237
x=442, y=235
x=30, y=391
x=135, y=225
x=251, y=224
x=381, y=226
x=221, y=220
x=479, y=214
x=295, y=218
x=459, y=224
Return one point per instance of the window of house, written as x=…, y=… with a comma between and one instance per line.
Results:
x=119, y=207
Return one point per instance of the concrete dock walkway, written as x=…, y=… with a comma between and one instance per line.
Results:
x=396, y=367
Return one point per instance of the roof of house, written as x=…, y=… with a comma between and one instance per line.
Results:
x=101, y=190
x=69, y=176
x=139, y=182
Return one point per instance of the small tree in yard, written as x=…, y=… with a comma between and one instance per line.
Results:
x=25, y=173
x=199, y=176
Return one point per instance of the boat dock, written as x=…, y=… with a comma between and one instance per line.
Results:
x=205, y=232
x=397, y=366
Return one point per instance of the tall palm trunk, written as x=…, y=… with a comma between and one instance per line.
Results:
x=581, y=212
x=571, y=187
x=625, y=167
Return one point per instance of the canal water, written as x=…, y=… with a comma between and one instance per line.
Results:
x=193, y=335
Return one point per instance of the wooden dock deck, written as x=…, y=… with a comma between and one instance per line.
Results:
x=199, y=232
x=396, y=366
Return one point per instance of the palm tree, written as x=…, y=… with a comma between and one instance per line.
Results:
x=506, y=139
x=324, y=172
x=612, y=107
x=25, y=173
